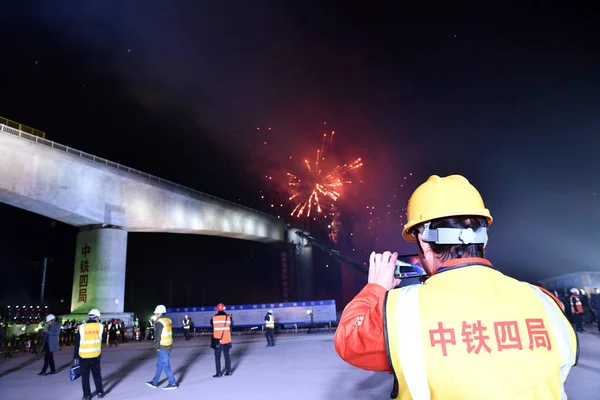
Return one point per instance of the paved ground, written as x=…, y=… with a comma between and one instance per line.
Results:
x=301, y=366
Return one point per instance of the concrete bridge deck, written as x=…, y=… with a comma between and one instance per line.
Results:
x=81, y=189
x=300, y=367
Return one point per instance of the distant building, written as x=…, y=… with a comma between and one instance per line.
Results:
x=581, y=280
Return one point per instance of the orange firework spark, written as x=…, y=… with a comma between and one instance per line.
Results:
x=318, y=185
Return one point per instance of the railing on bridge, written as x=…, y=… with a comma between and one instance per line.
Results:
x=21, y=127
x=7, y=129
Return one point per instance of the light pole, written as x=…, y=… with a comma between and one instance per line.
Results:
x=311, y=312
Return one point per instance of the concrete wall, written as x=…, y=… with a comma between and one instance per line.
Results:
x=79, y=192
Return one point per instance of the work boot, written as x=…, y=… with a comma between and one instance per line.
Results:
x=227, y=373
x=217, y=375
x=100, y=395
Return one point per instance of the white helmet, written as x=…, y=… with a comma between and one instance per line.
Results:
x=50, y=317
x=270, y=311
x=575, y=291
x=94, y=312
x=160, y=309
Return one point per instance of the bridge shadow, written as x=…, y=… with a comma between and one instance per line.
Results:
x=191, y=358
x=238, y=354
x=116, y=377
x=27, y=363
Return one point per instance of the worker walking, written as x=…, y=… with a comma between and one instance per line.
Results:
x=221, y=339
x=88, y=346
x=163, y=343
x=468, y=332
x=576, y=309
x=270, y=328
x=50, y=344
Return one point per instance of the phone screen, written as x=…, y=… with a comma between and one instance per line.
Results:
x=409, y=267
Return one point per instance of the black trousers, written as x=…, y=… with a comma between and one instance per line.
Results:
x=225, y=349
x=186, y=333
x=270, y=335
x=93, y=365
x=48, y=361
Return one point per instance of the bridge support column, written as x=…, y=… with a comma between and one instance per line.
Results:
x=303, y=267
x=99, y=279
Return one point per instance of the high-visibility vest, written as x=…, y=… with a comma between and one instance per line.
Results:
x=473, y=333
x=166, y=335
x=222, y=328
x=576, y=306
x=90, y=339
x=270, y=322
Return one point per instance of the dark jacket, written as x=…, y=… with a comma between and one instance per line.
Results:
x=51, y=337
x=595, y=302
x=158, y=327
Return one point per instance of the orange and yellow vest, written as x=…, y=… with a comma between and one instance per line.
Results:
x=270, y=322
x=166, y=335
x=90, y=339
x=222, y=328
x=474, y=333
x=576, y=306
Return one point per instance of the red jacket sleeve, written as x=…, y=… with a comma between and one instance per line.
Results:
x=360, y=338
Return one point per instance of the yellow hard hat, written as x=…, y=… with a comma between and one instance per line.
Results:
x=443, y=197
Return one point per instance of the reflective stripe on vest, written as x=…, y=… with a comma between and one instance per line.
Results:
x=404, y=339
x=166, y=335
x=90, y=340
x=270, y=323
x=563, y=337
x=405, y=347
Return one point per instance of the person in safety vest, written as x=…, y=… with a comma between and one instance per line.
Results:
x=221, y=339
x=576, y=309
x=163, y=343
x=88, y=346
x=186, y=326
x=468, y=332
x=270, y=328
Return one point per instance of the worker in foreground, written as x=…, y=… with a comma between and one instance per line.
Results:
x=88, y=346
x=469, y=332
x=163, y=343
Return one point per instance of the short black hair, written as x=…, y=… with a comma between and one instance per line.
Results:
x=452, y=251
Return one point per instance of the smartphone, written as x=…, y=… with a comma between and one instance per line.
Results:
x=409, y=267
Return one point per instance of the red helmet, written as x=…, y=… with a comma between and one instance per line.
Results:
x=220, y=307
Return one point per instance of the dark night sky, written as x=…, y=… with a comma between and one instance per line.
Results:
x=508, y=98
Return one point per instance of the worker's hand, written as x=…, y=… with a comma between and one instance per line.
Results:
x=381, y=270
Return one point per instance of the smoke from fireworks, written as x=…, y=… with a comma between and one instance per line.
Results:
x=315, y=188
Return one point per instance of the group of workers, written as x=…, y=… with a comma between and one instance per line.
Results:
x=88, y=346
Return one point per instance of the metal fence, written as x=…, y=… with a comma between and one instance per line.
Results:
x=32, y=137
x=21, y=127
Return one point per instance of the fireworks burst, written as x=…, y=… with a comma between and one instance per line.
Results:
x=316, y=186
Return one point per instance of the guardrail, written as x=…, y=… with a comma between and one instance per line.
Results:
x=103, y=161
x=21, y=127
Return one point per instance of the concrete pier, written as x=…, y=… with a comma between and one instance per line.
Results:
x=99, y=279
